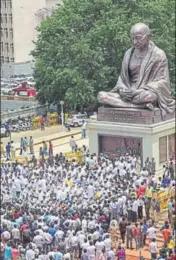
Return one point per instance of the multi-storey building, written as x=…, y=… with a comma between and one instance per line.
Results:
x=19, y=19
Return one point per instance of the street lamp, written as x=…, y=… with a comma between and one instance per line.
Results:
x=62, y=114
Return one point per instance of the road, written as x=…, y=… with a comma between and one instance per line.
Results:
x=35, y=133
x=60, y=139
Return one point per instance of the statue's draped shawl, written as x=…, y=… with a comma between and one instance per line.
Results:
x=154, y=76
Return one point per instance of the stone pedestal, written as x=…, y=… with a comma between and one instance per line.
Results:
x=132, y=116
x=146, y=138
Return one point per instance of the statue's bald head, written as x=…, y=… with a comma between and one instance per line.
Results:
x=140, y=28
x=140, y=36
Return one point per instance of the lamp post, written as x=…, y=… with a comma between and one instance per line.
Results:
x=62, y=114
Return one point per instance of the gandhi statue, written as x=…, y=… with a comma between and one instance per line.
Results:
x=144, y=79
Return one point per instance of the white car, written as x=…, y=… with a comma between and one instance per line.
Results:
x=76, y=120
x=4, y=132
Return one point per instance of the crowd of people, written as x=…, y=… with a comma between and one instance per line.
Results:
x=94, y=210
x=9, y=152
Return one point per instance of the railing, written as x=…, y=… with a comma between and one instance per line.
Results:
x=16, y=98
x=131, y=257
x=23, y=112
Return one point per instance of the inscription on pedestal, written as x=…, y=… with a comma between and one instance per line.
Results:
x=163, y=149
x=134, y=116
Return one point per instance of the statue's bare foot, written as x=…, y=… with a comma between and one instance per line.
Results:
x=150, y=106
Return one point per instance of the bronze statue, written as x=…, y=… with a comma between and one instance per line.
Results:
x=144, y=79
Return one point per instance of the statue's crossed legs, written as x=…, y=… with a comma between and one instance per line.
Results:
x=143, y=99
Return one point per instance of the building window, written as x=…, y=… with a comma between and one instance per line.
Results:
x=11, y=33
x=10, y=18
x=12, y=60
x=9, y=4
x=2, y=59
x=11, y=48
x=6, y=32
x=1, y=32
x=2, y=46
x=5, y=4
x=7, y=59
x=1, y=19
x=7, y=47
x=5, y=18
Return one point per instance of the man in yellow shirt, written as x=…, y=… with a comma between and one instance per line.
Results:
x=69, y=182
x=170, y=244
x=149, y=193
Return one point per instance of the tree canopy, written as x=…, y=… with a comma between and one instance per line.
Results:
x=80, y=47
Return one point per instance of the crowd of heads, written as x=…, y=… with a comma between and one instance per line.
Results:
x=55, y=209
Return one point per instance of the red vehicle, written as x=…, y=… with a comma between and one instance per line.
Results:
x=25, y=90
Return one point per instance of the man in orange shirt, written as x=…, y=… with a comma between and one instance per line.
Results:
x=142, y=189
x=138, y=191
x=166, y=233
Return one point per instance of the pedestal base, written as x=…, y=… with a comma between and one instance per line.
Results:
x=133, y=116
x=155, y=140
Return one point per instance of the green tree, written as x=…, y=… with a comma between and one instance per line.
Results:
x=80, y=47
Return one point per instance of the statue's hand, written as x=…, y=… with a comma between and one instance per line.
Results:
x=129, y=94
x=122, y=93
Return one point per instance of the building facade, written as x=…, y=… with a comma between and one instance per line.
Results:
x=19, y=19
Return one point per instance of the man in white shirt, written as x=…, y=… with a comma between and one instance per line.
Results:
x=140, y=207
x=81, y=238
x=83, y=129
x=74, y=246
x=15, y=234
x=134, y=210
x=73, y=144
x=59, y=235
x=47, y=241
x=91, y=251
x=90, y=191
x=151, y=231
x=39, y=241
x=30, y=253
x=99, y=246
x=17, y=186
x=153, y=249
x=107, y=244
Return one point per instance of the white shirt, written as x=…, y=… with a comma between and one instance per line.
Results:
x=74, y=241
x=111, y=254
x=59, y=234
x=99, y=246
x=91, y=224
x=107, y=244
x=15, y=233
x=90, y=191
x=152, y=232
x=17, y=184
x=135, y=206
x=96, y=235
x=153, y=248
x=91, y=250
x=30, y=254
x=84, y=126
x=140, y=202
x=67, y=256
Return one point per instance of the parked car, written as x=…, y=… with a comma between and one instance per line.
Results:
x=76, y=120
x=4, y=131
